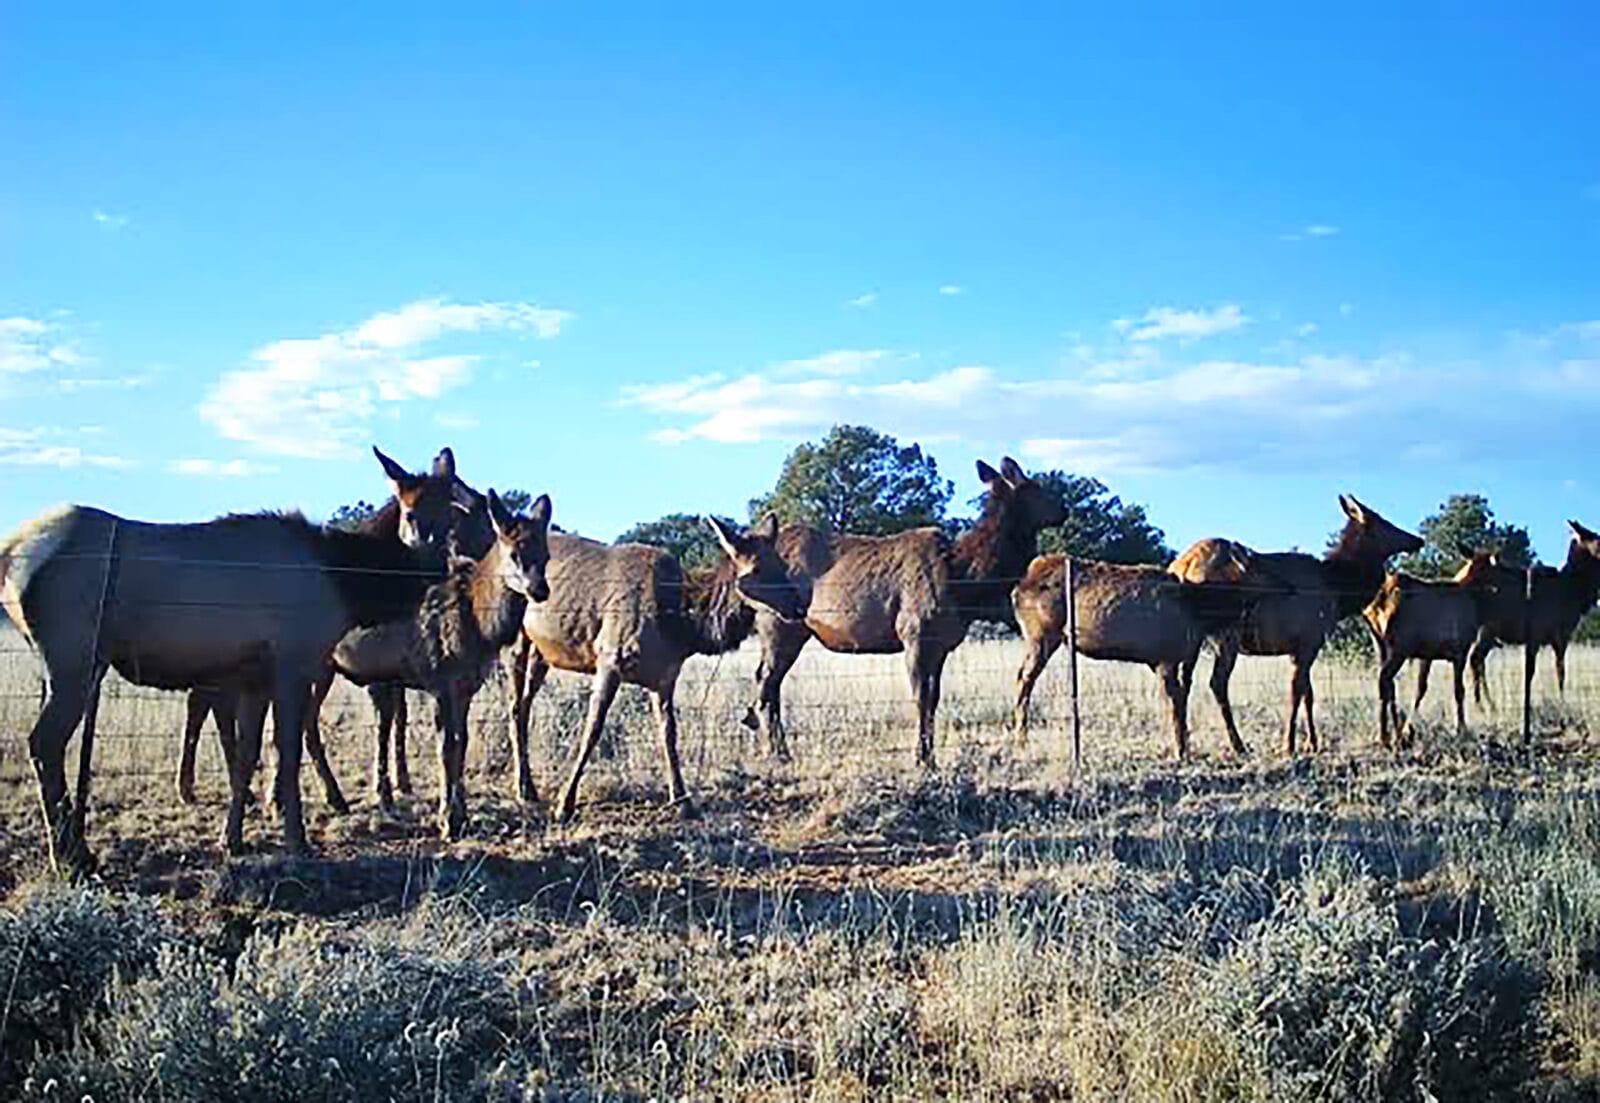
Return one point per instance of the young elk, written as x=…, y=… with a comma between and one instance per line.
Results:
x=1414, y=618
x=1128, y=613
x=451, y=644
x=630, y=613
x=1560, y=599
x=915, y=592
x=1302, y=598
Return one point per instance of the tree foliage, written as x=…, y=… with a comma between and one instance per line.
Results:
x=858, y=480
x=352, y=515
x=1099, y=524
x=686, y=535
x=1465, y=522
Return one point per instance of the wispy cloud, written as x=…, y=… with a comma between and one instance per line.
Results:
x=1346, y=309
x=1306, y=329
x=839, y=362
x=39, y=448
x=1162, y=322
x=1104, y=412
x=33, y=344
x=455, y=421
x=861, y=302
x=313, y=397
x=108, y=220
x=951, y=289
x=220, y=469
x=1315, y=230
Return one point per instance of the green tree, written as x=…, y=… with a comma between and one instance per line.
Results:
x=1465, y=522
x=1099, y=524
x=858, y=480
x=685, y=535
x=351, y=516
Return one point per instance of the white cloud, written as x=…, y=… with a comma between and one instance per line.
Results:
x=839, y=362
x=1346, y=309
x=313, y=397
x=32, y=344
x=109, y=221
x=1162, y=322
x=35, y=448
x=861, y=302
x=1102, y=412
x=1306, y=329
x=226, y=469
x=1317, y=229
x=951, y=289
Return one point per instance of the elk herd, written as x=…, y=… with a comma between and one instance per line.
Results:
x=252, y=611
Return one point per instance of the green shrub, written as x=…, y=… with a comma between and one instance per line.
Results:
x=1339, y=1004
x=60, y=948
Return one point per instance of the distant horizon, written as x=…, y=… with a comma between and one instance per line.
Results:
x=1232, y=268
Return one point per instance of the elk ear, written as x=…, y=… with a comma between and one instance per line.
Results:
x=987, y=474
x=444, y=464
x=767, y=528
x=1012, y=471
x=729, y=539
x=1583, y=533
x=463, y=495
x=539, y=514
x=1353, y=509
x=397, y=474
x=499, y=516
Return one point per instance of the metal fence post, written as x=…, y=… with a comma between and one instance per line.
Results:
x=1072, y=664
x=1530, y=652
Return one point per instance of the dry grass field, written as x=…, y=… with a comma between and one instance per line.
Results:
x=1348, y=926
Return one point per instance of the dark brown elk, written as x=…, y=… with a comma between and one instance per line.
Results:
x=630, y=613
x=914, y=593
x=1423, y=619
x=1301, y=599
x=1138, y=614
x=465, y=529
x=1560, y=599
x=450, y=646
x=253, y=603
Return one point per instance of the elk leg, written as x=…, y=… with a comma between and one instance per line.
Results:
x=80, y=809
x=534, y=672
x=1479, y=655
x=1561, y=667
x=66, y=700
x=1221, y=673
x=288, y=719
x=317, y=694
x=661, y=703
x=397, y=733
x=607, y=679
x=1530, y=664
x=197, y=706
x=1388, y=707
x=225, y=709
x=453, y=762
x=252, y=718
x=1034, y=660
x=1177, y=695
x=383, y=703
x=917, y=666
x=1458, y=665
x=781, y=645
x=1424, y=668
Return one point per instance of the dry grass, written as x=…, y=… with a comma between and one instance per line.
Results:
x=1344, y=927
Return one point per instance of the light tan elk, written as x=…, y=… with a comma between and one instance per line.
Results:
x=1414, y=618
x=1560, y=599
x=1138, y=614
x=630, y=613
x=914, y=593
x=251, y=603
x=1301, y=599
x=450, y=646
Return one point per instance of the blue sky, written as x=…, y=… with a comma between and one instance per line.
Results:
x=630, y=254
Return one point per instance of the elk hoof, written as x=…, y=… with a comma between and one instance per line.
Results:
x=186, y=794
x=750, y=720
